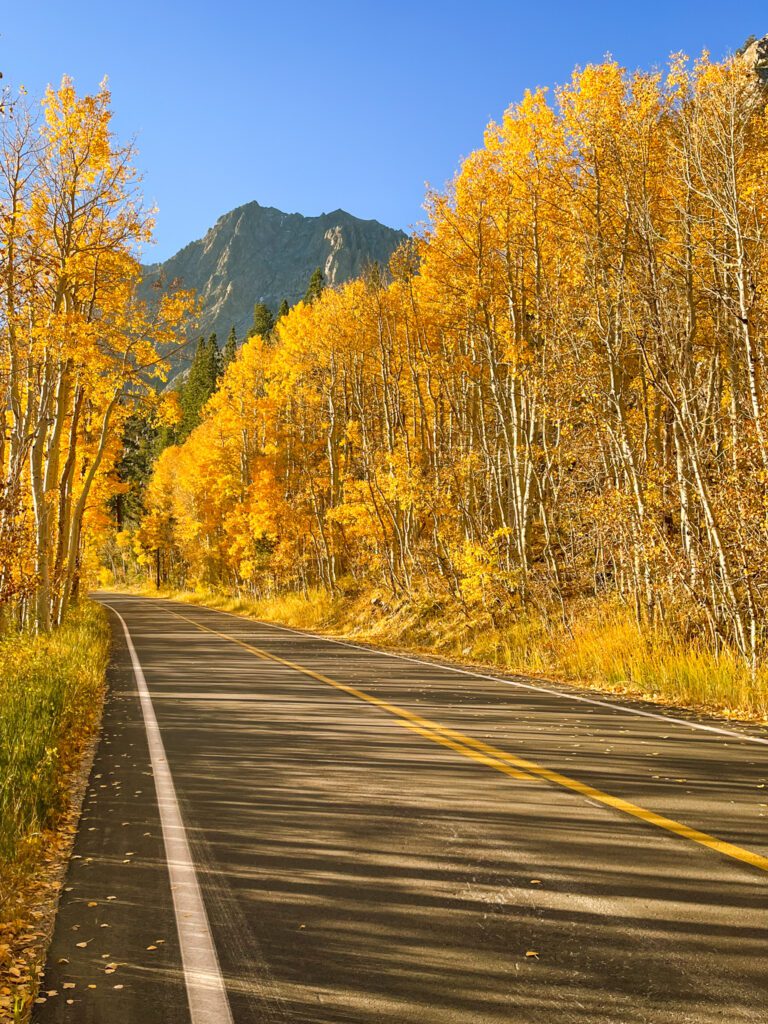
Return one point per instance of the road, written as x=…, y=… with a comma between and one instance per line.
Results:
x=343, y=835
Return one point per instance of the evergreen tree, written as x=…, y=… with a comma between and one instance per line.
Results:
x=284, y=309
x=214, y=365
x=202, y=381
x=142, y=443
x=230, y=349
x=190, y=392
x=263, y=321
x=316, y=285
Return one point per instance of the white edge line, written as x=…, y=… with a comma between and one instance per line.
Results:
x=206, y=992
x=480, y=675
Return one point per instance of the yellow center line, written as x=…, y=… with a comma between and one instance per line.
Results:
x=502, y=761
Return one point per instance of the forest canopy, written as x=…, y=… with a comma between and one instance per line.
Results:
x=559, y=396
x=77, y=349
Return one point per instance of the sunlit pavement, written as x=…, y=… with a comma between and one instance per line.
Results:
x=356, y=870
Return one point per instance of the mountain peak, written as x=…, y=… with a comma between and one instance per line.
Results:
x=258, y=253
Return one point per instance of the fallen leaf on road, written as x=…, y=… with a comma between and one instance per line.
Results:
x=532, y=952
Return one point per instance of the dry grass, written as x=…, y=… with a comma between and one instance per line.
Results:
x=51, y=695
x=600, y=647
x=608, y=646
x=51, y=690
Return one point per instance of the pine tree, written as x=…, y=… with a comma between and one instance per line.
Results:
x=142, y=443
x=263, y=321
x=202, y=381
x=283, y=310
x=230, y=349
x=189, y=393
x=214, y=365
x=316, y=285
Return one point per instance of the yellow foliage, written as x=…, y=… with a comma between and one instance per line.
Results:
x=556, y=396
x=75, y=342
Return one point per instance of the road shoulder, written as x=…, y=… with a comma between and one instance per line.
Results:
x=114, y=952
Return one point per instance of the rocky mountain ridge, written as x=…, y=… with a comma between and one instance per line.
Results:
x=257, y=253
x=755, y=53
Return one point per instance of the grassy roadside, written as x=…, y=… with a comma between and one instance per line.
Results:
x=601, y=648
x=51, y=695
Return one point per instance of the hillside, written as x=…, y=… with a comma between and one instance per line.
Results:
x=259, y=254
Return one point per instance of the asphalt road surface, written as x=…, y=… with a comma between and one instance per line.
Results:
x=280, y=827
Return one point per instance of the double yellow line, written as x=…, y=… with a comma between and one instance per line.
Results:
x=500, y=760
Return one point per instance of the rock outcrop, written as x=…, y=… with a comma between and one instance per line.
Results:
x=259, y=254
x=755, y=53
x=761, y=59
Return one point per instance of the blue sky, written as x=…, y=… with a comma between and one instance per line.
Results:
x=314, y=106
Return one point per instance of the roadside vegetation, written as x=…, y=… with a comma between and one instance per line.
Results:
x=51, y=688
x=604, y=648
x=51, y=694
